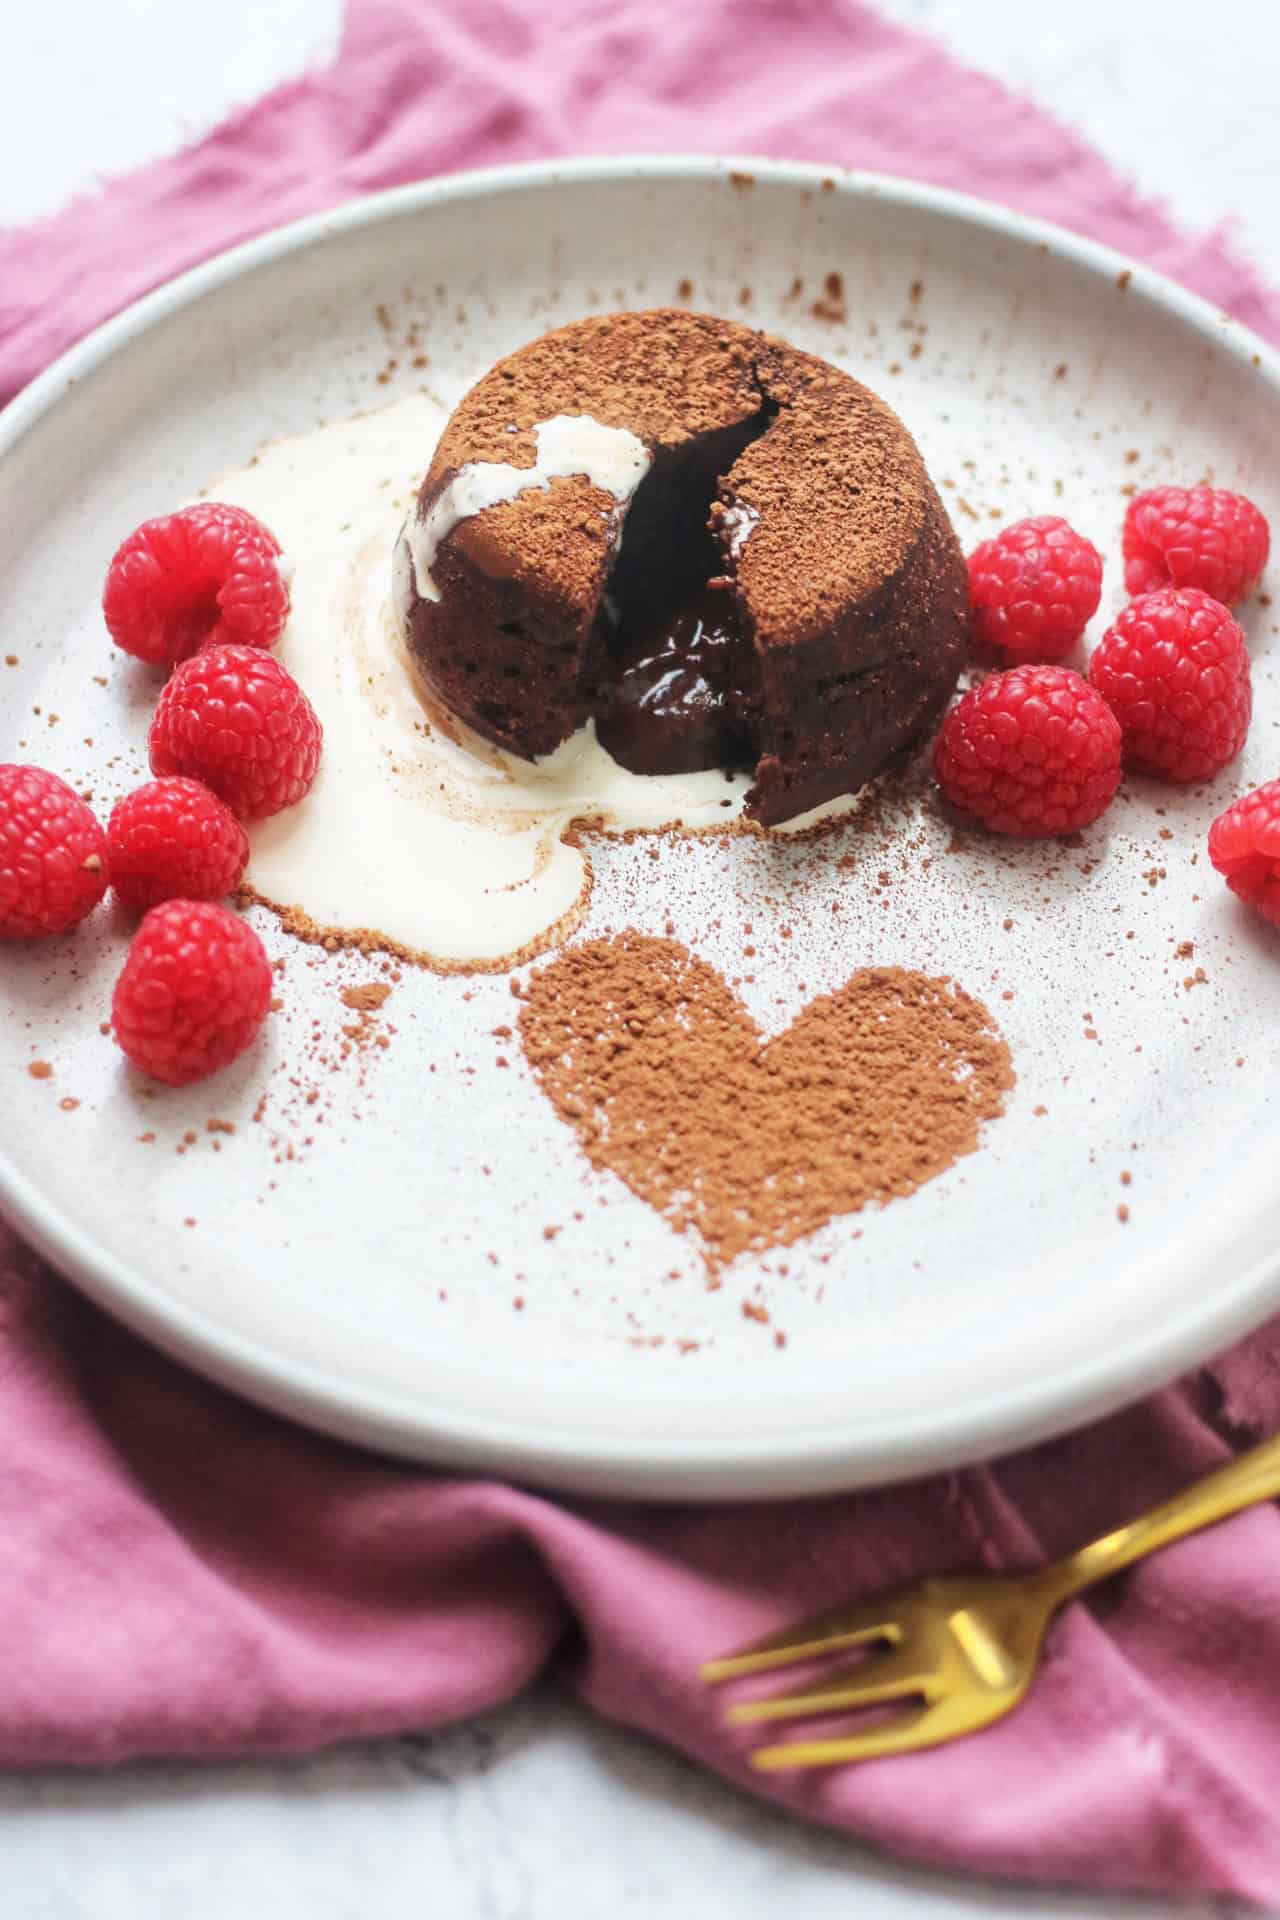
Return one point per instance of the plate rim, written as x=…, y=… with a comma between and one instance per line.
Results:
x=737, y=1468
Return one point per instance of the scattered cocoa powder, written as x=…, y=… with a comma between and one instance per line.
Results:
x=832, y=304
x=368, y=998
x=40, y=1070
x=364, y=1031
x=664, y=1076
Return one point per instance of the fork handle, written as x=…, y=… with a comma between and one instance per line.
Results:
x=1252, y=1477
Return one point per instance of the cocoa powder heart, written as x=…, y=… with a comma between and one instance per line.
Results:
x=668, y=1082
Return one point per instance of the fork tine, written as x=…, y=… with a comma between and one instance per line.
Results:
x=823, y=1633
x=866, y=1683
x=904, y=1733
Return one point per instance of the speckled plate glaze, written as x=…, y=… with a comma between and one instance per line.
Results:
x=367, y=1250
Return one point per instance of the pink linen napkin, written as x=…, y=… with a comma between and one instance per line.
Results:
x=183, y=1575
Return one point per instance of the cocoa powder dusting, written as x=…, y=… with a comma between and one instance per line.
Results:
x=299, y=925
x=838, y=486
x=666, y=1079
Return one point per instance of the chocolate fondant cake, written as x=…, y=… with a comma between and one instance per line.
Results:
x=722, y=549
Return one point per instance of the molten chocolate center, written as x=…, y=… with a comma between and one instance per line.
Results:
x=681, y=694
x=678, y=702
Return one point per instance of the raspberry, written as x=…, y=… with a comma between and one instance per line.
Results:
x=194, y=991
x=236, y=719
x=53, y=855
x=1034, y=588
x=201, y=577
x=174, y=840
x=1194, y=537
x=1030, y=752
x=1244, y=845
x=1174, y=669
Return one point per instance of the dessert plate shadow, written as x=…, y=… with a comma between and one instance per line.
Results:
x=401, y=1243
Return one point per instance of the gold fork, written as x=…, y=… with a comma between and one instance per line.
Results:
x=965, y=1646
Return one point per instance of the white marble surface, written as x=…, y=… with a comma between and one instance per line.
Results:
x=538, y=1811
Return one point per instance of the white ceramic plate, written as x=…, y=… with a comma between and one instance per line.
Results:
x=358, y=1252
